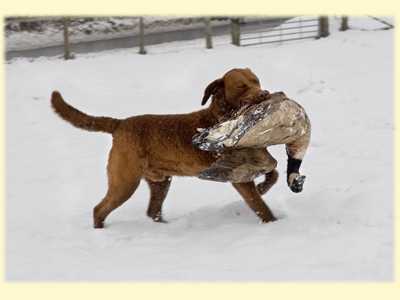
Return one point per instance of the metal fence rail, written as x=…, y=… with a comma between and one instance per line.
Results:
x=276, y=35
x=289, y=30
x=284, y=23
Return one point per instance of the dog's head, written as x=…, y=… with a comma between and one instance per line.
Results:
x=238, y=87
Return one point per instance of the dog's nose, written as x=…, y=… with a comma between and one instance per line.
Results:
x=256, y=97
x=264, y=95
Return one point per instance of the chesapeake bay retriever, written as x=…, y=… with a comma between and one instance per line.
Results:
x=157, y=147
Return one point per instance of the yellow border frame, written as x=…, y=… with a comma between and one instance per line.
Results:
x=135, y=290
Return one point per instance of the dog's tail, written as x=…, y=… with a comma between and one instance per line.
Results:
x=80, y=119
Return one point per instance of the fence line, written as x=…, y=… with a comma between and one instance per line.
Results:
x=289, y=30
x=239, y=32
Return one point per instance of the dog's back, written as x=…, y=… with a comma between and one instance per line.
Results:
x=162, y=143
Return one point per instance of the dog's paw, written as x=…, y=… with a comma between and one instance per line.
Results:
x=268, y=220
x=98, y=225
x=262, y=188
x=156, y=217
x=297, y=184
x=159, y=219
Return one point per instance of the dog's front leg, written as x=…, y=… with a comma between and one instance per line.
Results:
x=253, y=199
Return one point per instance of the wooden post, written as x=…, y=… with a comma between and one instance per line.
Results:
x=235, y=31
x=232, y=33
x=67, y=49
x=142, y=50
x=344, y=24
x=323, y=27
x=208, y=33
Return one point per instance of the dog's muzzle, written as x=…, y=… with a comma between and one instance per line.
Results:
x=264, y=95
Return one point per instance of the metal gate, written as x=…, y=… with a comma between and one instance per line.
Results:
x=281, y=30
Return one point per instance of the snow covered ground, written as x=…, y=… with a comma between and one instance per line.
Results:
x=339, y=228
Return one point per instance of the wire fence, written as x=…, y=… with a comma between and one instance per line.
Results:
x=140, y=32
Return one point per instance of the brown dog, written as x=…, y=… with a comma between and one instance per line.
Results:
x=157, y=147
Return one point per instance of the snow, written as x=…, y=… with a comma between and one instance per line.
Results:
x=339, y=228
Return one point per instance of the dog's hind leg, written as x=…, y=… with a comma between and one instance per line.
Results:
x=123, y=179
x=158, y=192
x=253, y=199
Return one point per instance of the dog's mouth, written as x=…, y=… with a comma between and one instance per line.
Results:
x=262, y=96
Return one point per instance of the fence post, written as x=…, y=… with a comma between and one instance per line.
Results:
x=67, y=50
x=235, y=31
x=344, y=24
x=142, y=50
x=323, y=23
x=208, y=34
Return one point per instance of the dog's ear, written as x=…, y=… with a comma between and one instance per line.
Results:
x=212, y=89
